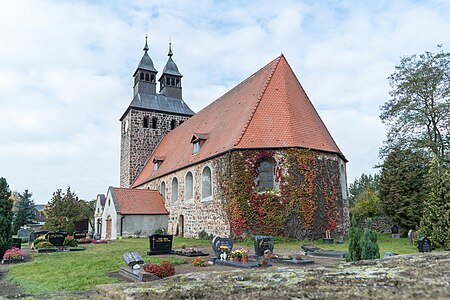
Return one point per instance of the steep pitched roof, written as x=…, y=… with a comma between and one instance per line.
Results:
x=138, y=201
x=269, y=109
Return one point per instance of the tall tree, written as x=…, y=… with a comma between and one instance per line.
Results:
x=64, y=209
x=23, y=210
x=6, y=205
x=362, y=188
x=435, y=223
x=403, y=187
x=418, y=113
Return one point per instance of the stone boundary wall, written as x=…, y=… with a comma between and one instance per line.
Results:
x=379, y=224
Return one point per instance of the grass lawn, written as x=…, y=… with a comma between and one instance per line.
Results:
x=77, y=271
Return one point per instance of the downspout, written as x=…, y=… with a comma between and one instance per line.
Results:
x=121, y=225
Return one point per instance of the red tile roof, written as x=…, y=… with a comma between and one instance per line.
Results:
x=269, y=109
x=139, y=202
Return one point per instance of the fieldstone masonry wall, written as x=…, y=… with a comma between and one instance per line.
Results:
x=190, y=216
x=137, y=142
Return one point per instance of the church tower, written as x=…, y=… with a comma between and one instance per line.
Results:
x=150, y=115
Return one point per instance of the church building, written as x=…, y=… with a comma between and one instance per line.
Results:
x=257, y=160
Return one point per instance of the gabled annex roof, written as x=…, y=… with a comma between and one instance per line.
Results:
x=138, y=201
x=269, y=109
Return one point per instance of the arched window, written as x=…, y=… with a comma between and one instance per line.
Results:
x=174, y=190
x=265, y=178
x=206, y=183
x=188, y=187
x=154, y=122
x=142, y=76
x=145, y=122
x=152, y=78
x=147, y=77
x=162, y=190
x=173, y=124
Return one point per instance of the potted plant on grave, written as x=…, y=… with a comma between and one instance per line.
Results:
x=236, y=255
x=328, y=239
x=13, y=255
x=244, y=254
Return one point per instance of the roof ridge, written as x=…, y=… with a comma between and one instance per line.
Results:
x=266, y=84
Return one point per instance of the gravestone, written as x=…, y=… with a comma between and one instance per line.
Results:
x=424, y=244
x=412, y=236
x=222, y=245
x=394, y=232
x=79, y=235
x=35, y=234
x=24, y=232
x=17, y=242
x=160, y=244
x=56, y=238
x=263, y=243
x=132, y=258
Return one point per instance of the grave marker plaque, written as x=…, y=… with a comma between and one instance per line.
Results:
x=160, y=244
x=132, y=258
x=56, y=238
x=222, y=245
x=17, y=242
x=22, y=232
x=263, y=243
x=424, y=244
x=79, y=235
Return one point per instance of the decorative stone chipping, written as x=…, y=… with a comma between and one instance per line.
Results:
x=138, y=143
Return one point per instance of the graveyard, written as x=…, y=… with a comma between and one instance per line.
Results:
x=99, y=264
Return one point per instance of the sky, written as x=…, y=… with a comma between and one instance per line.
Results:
x=66, y=72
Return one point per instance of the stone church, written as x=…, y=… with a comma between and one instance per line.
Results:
x=257, y=160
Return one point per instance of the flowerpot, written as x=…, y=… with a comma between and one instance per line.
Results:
x=328, y=241
x=245, y=260
x=236, y=259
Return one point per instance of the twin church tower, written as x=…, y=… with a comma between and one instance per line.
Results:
x=150, y=115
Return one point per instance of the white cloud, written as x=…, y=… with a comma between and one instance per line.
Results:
x=65, y=72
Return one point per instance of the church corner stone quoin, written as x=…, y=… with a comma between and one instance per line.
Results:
x=258, y=160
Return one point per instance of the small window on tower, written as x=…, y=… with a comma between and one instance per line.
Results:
x=173, y=124
x=145, y=122
x=167, y=80
x=154, y=122
x=178, y=83
x=142, y=76
x=147, y=77
x=152, y=78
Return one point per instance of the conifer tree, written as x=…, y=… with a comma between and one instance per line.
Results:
x=403, y=187
x=435, y=223
x=370, y=249
x=354, y=246
x=23, y=210
x=6, y=205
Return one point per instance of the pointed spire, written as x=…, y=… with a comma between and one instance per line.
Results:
x=170, y=50
x=146, y=45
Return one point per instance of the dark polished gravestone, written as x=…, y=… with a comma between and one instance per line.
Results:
x=222, y=246
x=160, y=244
x=424, y=244
x=394, y=232
x=56, y=238
x=17, y=242
x=263, y=243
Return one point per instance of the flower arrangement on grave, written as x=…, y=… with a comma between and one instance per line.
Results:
x=99, y=242
x=198, y=262
x=236, y=255
x=163, y=269
x=85, y=240
x=13, y=254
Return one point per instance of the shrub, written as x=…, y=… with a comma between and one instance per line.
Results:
x=13, y=253
x=160, y=231
x=37, y=241
x=163, y=269
x=71, y=242
x=370, y=249
x=44, y=245
x=203, y=235
x=198, y=262
x=354, y=246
